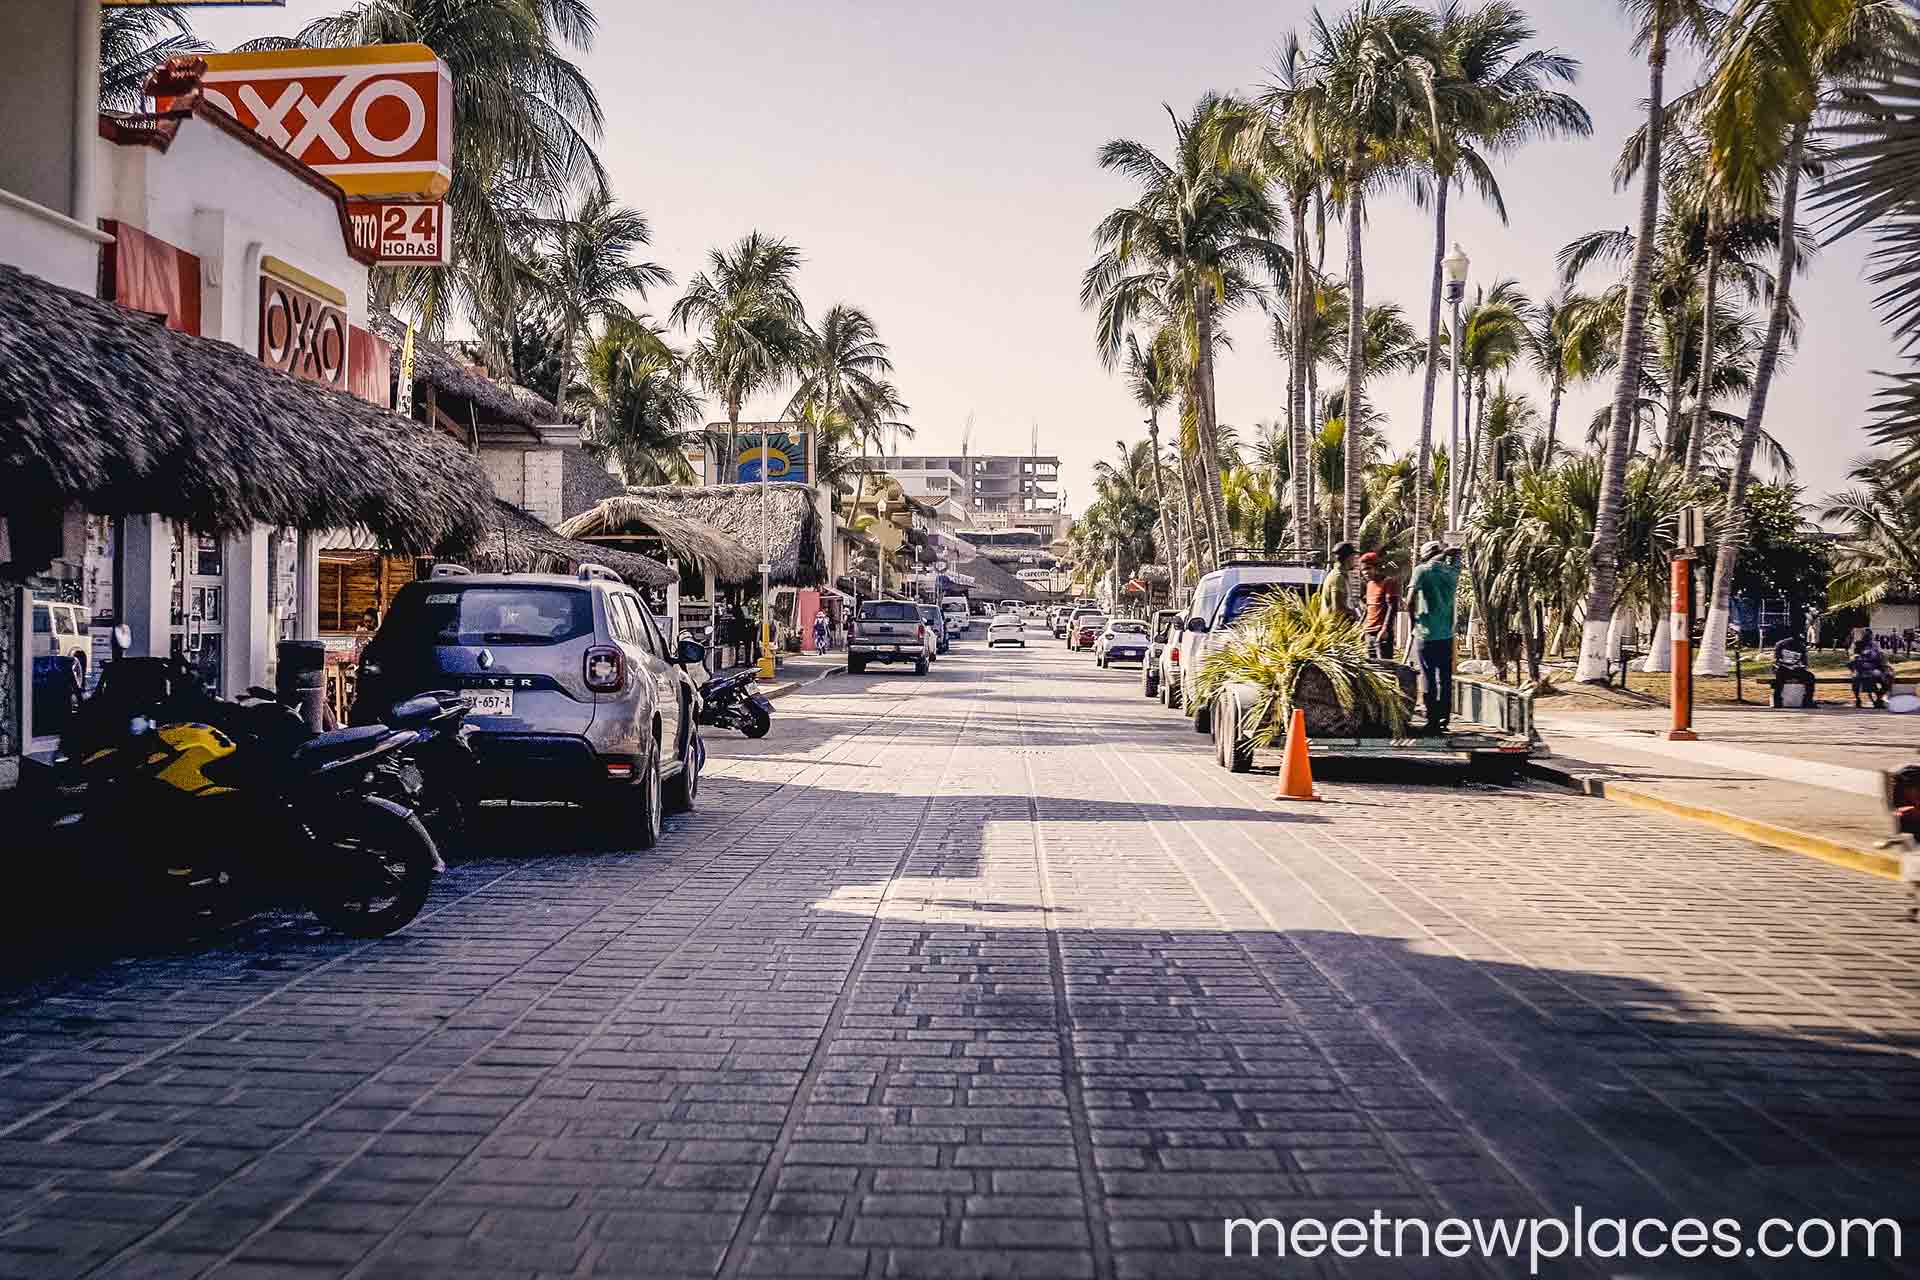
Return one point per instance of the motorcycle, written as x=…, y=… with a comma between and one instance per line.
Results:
x=729, y=702
x=430, y=775
x=253, y=809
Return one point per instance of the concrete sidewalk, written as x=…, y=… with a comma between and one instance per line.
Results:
x=1808, y=781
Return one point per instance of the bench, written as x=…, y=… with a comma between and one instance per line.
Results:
x=1619, y=665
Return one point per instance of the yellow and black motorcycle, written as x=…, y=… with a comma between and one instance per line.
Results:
x=224, y=808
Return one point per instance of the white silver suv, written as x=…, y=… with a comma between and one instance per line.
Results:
x=1220, y=599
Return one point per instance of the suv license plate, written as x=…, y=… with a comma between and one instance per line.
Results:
x=488, y=702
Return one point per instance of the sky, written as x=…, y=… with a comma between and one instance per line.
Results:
x=935, y=164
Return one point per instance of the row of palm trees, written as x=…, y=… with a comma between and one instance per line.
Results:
x=1388, y=97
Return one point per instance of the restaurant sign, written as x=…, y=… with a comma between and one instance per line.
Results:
x=402, y=234
x=303, y=332
x=376, y=120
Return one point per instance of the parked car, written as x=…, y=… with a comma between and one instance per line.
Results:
x=959, y=617
x=1220, y=599
x=1007, y=628
x=936, y=619
x=60, y=631
x=576, y=692
x=1121, y=640
x=1057, y=621
x=889, y=631
x=1084, y=629
x=1163, y=654
x=1071, y=629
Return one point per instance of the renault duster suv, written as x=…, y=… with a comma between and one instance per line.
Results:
x=577, y=693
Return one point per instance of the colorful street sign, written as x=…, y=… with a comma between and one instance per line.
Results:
x=377, y=120
x=415, y=234
x=782, y=453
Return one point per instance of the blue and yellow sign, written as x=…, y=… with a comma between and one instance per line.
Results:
x=782, y=453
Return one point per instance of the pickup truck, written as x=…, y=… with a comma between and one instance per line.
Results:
x=888, y=631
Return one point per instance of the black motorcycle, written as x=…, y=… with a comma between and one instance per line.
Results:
x=432, y=775
x=218, y=809
x=729, y=702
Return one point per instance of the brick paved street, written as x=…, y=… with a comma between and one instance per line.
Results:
x=991, y=973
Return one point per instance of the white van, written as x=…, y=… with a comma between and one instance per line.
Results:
x=959, y=616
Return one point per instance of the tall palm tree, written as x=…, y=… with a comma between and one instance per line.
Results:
x=1152, y=372
x=1777, y=61
x=638, y=383
x=585, y=269
x=843, y=378
x=1372, y=72
x=1565, y=349
x=1879, y=523
x=1491, y=94
x=756, y=335
x=1493, y=336
x=1658, y=24
x=1190, y=245
x=525, y=122
x=135, y=41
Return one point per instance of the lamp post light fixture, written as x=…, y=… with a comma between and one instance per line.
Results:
x=1455, y=265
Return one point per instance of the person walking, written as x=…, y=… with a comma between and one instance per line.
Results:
x=820, y=630
x=1333, y=592
x=1430, y=597
x=1383, y=602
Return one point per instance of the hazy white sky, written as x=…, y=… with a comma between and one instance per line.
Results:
x=935, y=163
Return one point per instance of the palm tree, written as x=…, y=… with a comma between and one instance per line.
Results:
x=1185, y=250
x=1372, y=74
x=1565, y=349
x=1879, y=520
x=1152, y=374
x=756, y=329
x=135, y=41
x=525, y=121
x=1489, y=97
x=843, y=380
x=1658, y=23
x=1777, y=61
x=638, y=383
x=1493, y=336
x=586, y=270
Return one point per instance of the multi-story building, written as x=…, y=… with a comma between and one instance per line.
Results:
x=988, y=483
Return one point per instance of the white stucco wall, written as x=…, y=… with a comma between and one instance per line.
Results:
x=528, y=478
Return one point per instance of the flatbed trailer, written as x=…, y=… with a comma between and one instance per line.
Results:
x=1492, y=731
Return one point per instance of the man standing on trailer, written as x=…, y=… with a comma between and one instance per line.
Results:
x=1430, y=597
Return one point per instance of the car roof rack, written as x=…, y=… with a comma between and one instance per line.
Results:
x=590, y=572
x=1285, y=558
x=451, y=571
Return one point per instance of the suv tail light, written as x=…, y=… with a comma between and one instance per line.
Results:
x=606, y=669
x=1174, y=653
x=920, y=633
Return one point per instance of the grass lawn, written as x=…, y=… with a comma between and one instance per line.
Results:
x=1646, y=690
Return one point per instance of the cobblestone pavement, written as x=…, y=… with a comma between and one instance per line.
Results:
x=991, y=973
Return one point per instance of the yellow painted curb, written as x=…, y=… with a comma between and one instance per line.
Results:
x=1852, y=857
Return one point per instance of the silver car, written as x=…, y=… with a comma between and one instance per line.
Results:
x=577, y=693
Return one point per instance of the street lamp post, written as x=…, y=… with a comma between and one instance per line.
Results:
x=766, y=564
x=1456, y=268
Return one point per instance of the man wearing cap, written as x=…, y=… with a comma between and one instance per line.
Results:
x=1430, y=594
x=1333, y=591
x=1383, y=601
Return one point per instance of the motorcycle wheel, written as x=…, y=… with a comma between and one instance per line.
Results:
x=757, y=722
x=377, y=864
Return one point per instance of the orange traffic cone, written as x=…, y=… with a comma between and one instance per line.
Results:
x=1296, y=774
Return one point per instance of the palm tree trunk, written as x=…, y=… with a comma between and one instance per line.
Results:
x=1204, y=420
x=1441, y=183
x=1300, y=383
x=1553, y=420
x=1697, y=433
x=1713, y=646
x=1160, y=505
x=1356, y=367
x=1604, y=555
x=1202, y=532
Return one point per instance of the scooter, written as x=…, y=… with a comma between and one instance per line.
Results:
x=729, y=702
x=222, y=808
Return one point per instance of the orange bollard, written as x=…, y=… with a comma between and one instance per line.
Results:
x=1296, y=773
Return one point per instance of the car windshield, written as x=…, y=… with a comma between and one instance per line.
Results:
x=494, y=615
x=1128, y=627
x=1244, y=600
x=888, y=611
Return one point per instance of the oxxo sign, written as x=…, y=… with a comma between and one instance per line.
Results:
x=303, y=326
x=376, y=120
x=415, y=234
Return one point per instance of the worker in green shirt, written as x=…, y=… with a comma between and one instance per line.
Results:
x=1430, y=594
x=1333, y=591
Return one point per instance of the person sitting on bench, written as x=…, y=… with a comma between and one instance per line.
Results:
x=1790, y=667
x=1872, y=675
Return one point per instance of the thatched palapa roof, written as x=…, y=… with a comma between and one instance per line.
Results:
x=625, y=516
x=107, y=408
x=515, y=541
x=493, y=403
x=730, y=511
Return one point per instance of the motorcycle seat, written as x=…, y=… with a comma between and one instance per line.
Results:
x=415, y=712
x=341, y=744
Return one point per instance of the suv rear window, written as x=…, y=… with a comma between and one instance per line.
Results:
x=889, y=611
x=495, y=615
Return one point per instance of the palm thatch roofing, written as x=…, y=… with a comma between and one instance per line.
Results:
x=729, y=515
x=493, y=403
x=106, y=408
x=515, y=541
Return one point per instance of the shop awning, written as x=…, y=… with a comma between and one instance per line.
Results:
x=108, y=409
